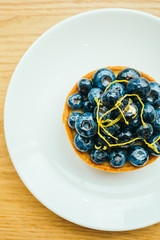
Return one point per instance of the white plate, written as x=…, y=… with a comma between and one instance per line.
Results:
x=36, y=138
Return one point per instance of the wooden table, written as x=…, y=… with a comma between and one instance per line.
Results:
x=21, y=215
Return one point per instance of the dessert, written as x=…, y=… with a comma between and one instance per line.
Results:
x=112, y=118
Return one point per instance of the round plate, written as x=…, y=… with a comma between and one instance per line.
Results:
x=35, y=135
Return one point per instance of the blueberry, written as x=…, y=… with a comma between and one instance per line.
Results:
x=123, y=126
x=156, y=123
x=155, y=86
x=102, y=78
x=129, y=108
x=110, y=97
x=137, y=102
x=99, y=156
x=132, y=112
x=85, y=125
x=124, y=104
x=83, y=144
x=87, y=106
x=75, y=101
x=136, y=122
x=152, y=139
x=128, y=73
x=73, y=118
x=95, y=92
x=114, y=129
x=84, y=86
x=149, y=113
x=102, y=111
x=138, y=156
x=101, y=142
x=154, y=97
x=117, y=158
x=118, y=87
x=145, y=132
x=114, y=114
x=139, y=86
x=125, y=136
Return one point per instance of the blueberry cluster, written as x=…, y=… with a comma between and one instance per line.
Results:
x=117, y=119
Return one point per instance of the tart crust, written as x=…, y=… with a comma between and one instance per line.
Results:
x=85, y=156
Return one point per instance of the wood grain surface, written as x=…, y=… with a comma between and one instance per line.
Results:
x=21, y=215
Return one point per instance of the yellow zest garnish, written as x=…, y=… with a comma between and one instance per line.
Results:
x=98, y=103
x=102, y=136
x=125, y=143
x=156, y=140
x=150, y=145
x=108, y=112
x=123, y=115
x=132, y=109
x=97, y=147
x=99, y=120
x=107, y=120
x=116, y=81
x=111, y=122
x=108, y=133
x=135, y=95
x=118, y=103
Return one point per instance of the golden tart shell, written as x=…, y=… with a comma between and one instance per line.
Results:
x=85, y=156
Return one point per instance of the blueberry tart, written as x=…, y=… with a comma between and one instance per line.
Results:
x=112, y=119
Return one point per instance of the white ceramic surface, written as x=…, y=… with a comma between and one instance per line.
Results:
x=36, y=138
